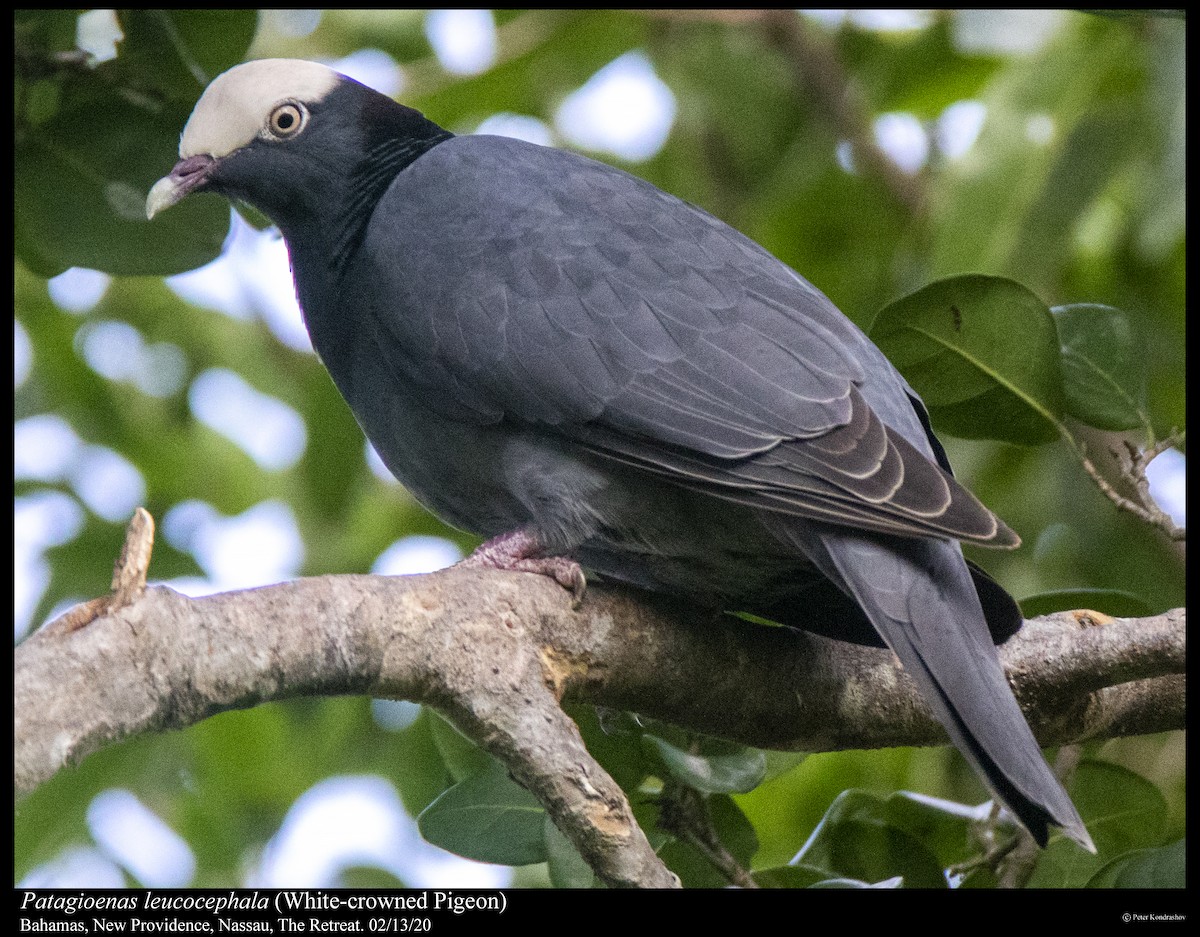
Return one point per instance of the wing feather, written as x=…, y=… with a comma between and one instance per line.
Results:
x=646, y=332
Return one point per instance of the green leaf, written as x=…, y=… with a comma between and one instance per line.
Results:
x=732, y=826
x=368, y=876
x=82, y=171
x=941, y=826
x=614, y=740
x=41, y=32
x=734, y=831
x=1109, y=601
x=983, y=353
x=421, y=775
x=462, y=757
x=487, y=817
x=980, y=877
x=1145, y=868
x=728, y=769
x=176, y=53
x=80, y=185
x=780, y=763
x=1010, y=204
x=1103, y=366
x=1122, y=811
x=1121, y=808
x=859, y=838
x=567, y=868
x=790, y=876
x=1122, y=14
x=692, y=867
x=646, y=813
x=922, y=73
x=894, y=882
x=806, y=876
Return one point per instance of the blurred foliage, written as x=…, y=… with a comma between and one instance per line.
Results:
x=1071, y=198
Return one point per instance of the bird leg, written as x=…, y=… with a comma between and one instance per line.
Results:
x=521, y=550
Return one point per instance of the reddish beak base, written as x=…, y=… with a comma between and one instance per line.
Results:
x=188, y=175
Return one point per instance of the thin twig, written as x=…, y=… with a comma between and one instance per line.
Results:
x=128, y=580
x=1133, y=467
x=1016, y=865
x=993, y=854
x=1016, y=868
x=683, y=812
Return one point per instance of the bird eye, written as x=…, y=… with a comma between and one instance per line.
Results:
x=286, y=120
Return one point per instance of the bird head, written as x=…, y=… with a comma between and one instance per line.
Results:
x=295, y=139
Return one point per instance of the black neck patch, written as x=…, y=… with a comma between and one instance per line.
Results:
x=395, y=136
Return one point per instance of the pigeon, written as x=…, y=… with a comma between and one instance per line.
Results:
x=591, y=374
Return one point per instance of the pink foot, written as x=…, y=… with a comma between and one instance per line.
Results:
x=518, y=550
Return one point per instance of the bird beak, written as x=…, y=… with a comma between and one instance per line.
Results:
x=188, y=175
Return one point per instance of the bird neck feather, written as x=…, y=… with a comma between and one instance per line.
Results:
x=370, y=179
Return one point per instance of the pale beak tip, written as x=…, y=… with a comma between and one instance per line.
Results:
x=165, y=193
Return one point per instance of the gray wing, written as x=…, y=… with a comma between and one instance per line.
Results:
x=545, y=289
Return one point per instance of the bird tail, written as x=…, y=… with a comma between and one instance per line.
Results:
x=919, y=594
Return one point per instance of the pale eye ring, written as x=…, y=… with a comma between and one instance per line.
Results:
x=287, y=120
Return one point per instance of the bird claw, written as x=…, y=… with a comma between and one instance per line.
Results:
x=517, y=551
x=567, y=573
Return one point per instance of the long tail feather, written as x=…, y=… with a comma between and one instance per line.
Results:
x=919, y=594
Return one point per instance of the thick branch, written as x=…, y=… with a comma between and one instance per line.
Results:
x=498, y=651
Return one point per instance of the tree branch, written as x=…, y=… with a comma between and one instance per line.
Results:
x=497, y=653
